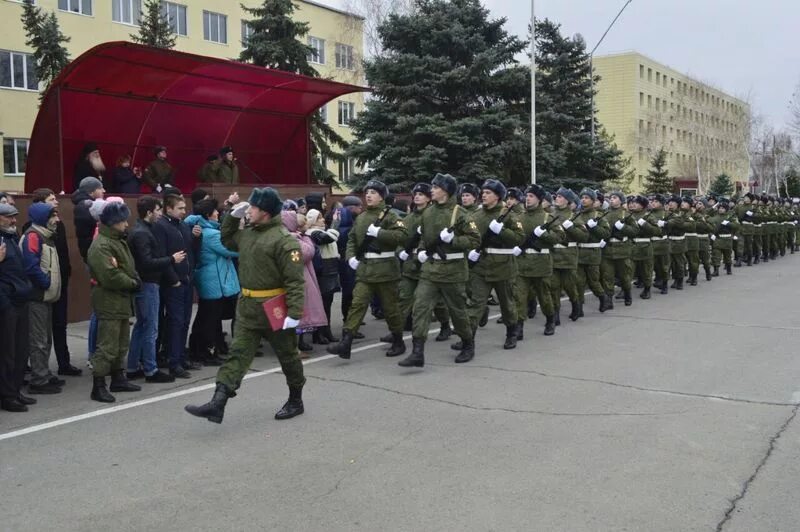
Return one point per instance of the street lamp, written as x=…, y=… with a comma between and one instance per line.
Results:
x=591, y=58
x=533, y=95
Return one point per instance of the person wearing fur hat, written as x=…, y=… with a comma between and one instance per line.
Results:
x=704, y=232
x=159, y=173
x=661, y=243
x=371, y=245
x=642, y=246
x=270, y=265
x=227, y=169
x=692, y=239
x=89, y=190
x=565, y=253
x=617, y=263
x=590, y=254
x=468, y=195
x=746, y=216
x=725, y=227
x=112, y=267
x=208, y=172
x=675, y=224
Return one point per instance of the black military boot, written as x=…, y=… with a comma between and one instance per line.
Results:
x=738, y=262
x=417, y=357
x=620, y=295
x=757, y=259
x=708, y=272
x=294, y=406
x=716, y=272
x=511, y=337
x=609, y=302
x=645, y=293
x=485, y=318
x=215, y=408
x=576, y=311
x=628, y=298
x=750, y=259
x=387, y=338
x=520, y=330
x=458, y=346
x=500, y=320
x=445, y=332
x=550, y=326
x=318, y=338
x=679, y=282
x=693, y=280
x=468, y=351
x=557, y=316
x=532, y=309
x=342, y=348
x=328, y=334
x=398, y=345
x=119, y=383
x=728, y=269
x=99, y=391
x=603, y=304
x=664, y=288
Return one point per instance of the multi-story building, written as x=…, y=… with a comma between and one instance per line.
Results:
x=206, y=27
x=647, y=106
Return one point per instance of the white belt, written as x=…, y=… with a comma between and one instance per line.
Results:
x=618, y=240
x=640, y=240
x=691, y=234
x=500, y=251
x=772, y=222
x=658, y=238
x=747, y=223
x=677, y=237
x=589, y=245
x=381, y=255
x=569, y=244
x=531, y=251
x=447, y=256
x=758, y=225
x=724, y=236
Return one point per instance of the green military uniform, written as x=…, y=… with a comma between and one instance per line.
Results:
x=704, y=231
x=725, y=227
x=617, y=253
x=226, y=172
x=158, y=173
x=565, y=263
x=661, y=250
x=207, y=172
x=642, y=250
x=519, y=211
x=758, y=233
x=590, y=254
x=676, y=231
x=746, y=216
x=692, y=244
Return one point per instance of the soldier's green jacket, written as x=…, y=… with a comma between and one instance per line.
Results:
x=661, y=244
x=676, y=229
x=111, y=265
x=704, y=230
x=492, y=267
x=724, y=233
x=392, y=234
x=565, y=253
x=589, y=251
x=536, y=259
x=158, y=172
x=690, y=226
x=746, y=220
x=411, y=268
x=642, y=247
x=206, y=174
x=615, y=250
x=269, y=259
x=225, y=172
x=435, y=218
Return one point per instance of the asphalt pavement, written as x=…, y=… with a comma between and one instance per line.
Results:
x=675, y=414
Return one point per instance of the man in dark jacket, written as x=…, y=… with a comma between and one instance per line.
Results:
x=351, y=207
x=153, y=265
x=176, y=286
x=15, y=289
x=89, y=189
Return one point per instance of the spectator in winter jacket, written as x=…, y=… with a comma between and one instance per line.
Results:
x=42, y=267
x=316, y=200
x=326, y=267
x=125, y=180
x=89, y=189
x=216, y=281
x=351, y=207
x=112, y=267
x=89, y=164
x=176, y=290
x=15, y=291
x=152, y=265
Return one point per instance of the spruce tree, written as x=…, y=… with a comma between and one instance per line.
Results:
x=721, y=186
x=45, y=37
x=792, y=183
x=154, y=29
x=275, y=42
x=449, y=96
x=658, y=180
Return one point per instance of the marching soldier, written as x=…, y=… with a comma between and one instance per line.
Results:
x=692, y=239
x=744, y=211
x=447, y=234
x=617, y=253
x=589, y=252
x=515, y=201
x=565, y=253
x=493, y=263
x=725, y=226
x=642, y=248
x=661, y=244
x=704, y=231
x=270, y=265
x=371, y=244
x=469, y=197
x=675, y=224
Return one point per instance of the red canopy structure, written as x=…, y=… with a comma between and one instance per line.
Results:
x=129, y=98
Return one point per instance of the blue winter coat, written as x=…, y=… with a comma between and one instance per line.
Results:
x=347, y=276
x=214, y=275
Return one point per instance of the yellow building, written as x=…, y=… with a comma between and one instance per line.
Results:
x=647, y=106
x=207, y=27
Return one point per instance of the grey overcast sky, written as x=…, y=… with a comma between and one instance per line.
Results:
x=748, y=49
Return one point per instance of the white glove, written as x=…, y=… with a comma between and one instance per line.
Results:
x=725, y=222
x=158, y=188
x=403, y=255
x=539, y=231
x=447, y=236
x=240, y=209
x=661, y=223
x=419, y=229
x=422, y=256
x=713, y=237
x=474, y=256
x=592, y=224
x=373, y=230
x=496, y=226
x=290, y=323
x=735, y=237
x=602, y=244
x=517, y=251
x=749, y=213
x=567, y=224
x=641, y=222
x=619, y=225
x=353, y=263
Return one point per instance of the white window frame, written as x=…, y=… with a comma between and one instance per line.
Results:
x=247, y=32
x=221, y=23
x=345, y=56
x=176, y=20
x=347, y=113
x=80, y=4
x=133, y=5
x=25, y=57
x=15, y=143
x=346, y=170
x=317, y=56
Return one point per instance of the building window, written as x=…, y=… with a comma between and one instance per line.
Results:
x=323, y=114
x=176, y=16
x=649, y=102
x=317, y=54
x=664, y=105
x=247, y=32
x=641, y=99
x=658, y=78
x=15, y=156
x=649, y=74
x=18, y=71
x=126, y=11
x=345, y=170
x=83, y=7
x=641, y=126
x=344, y=56
x=215, y=27
x=641, y=71
x=664, y=80
x=658, y=104
x=347, y=113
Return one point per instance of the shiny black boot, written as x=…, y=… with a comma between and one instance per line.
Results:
x=520, y=330
x=550, y=326
x=99, y=392
x=293, y=407
x=398, y=345
x=645, y=293
x=716, y=272
x=628, y=298
x=213, y=410
x=468, y=352
x=342, y=348
x=557, y=317
x=119, y=383
x=445, y=332
x=708, y=273
x=417, y=357
x=728, y=269
x=511, y=337
x=576, y=311
x=485, y=318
